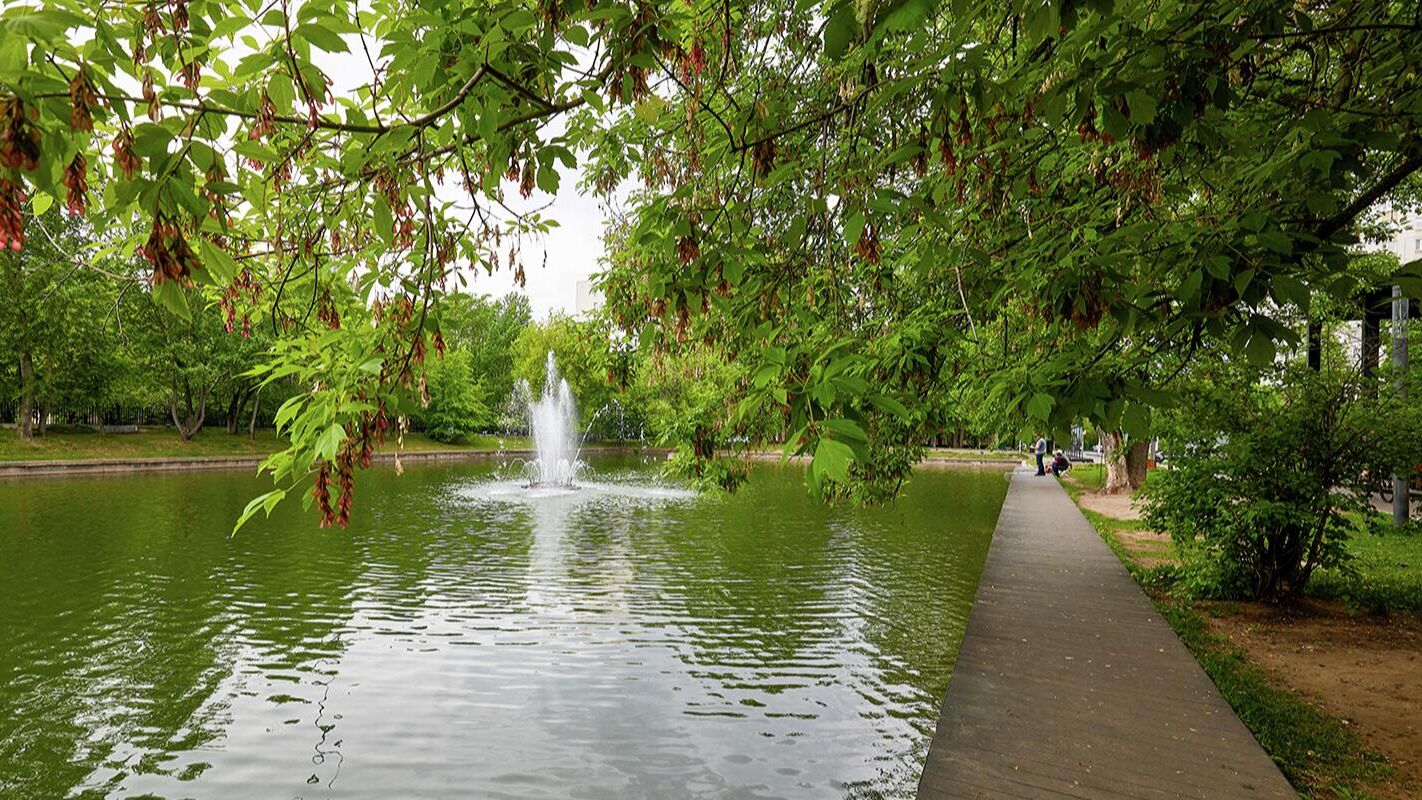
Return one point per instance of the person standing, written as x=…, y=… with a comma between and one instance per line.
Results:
x=1040, y=448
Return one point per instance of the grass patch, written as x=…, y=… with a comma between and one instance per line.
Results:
x=1319, y=755
x=1385, y=573
x=1090, y=476
x=971, y=455
x=1093, y=476
x=66, y=444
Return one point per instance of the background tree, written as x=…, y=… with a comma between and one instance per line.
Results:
x=582, y=351
x=487, y=330
x=456, y=410
x=53, y=324
x=841, y=192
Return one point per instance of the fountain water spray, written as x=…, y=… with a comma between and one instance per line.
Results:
x=552, y=422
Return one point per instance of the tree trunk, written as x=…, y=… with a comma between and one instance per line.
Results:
x=189, y=424
x=240, y=398
x=43, y=419
x=233, y=411
x=256, y=404
x=1125, y=464
x=27, y=395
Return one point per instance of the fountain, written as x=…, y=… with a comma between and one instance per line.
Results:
x=554, y=478
x=552, y=422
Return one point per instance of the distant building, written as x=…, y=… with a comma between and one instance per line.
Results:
x=1406, y=240
x=589, y=299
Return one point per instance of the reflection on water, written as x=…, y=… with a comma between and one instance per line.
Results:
x=464, y=640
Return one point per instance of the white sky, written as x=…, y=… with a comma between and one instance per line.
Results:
x=574, y=249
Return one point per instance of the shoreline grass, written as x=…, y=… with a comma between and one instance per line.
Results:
x=71, y=444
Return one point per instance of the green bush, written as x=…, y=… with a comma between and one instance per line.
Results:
x=455, y=410
x=1258, y=499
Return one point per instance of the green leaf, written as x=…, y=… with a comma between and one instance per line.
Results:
x=853, y=228
x=765, y=375
x=846, y=430
x=1142, y=107
x=13, y=53
x=1039, y=406
x=1289, y=289
x=1260, y=350
x=906, y=15
x=172, y=297
x=151, y=140
x=1135, y=420
x=330, y=441
x=832, y=458
x=840, y=31
x=219, y=263
x=265, y=502
x=287, y=411
x=384, y=222
x=41, y=203
x=322, y=37
x=547, y=179
x=890, y=405
x=796, y=231
x=229, y=25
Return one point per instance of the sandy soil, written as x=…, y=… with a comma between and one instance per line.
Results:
x=1364, y=670
x=1116, y=506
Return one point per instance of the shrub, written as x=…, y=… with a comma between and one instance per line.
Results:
x=1257, y=501
x=455, y=411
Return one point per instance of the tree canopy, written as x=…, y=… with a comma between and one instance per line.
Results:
x=1043, y=206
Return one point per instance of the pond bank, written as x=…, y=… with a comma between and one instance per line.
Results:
x=119, y=466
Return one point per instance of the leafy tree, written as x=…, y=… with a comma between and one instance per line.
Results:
x=1269, y=471
x=683, y=397
x=847, y=193
x=455, y=409
x=53, y=324
x=487, y=330
x=195, y=355
x=865, y=194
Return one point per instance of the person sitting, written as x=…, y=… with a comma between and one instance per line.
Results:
x=1061, y=465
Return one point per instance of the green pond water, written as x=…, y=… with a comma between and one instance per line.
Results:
x=461, y=639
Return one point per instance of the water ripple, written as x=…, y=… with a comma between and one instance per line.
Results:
x=466, y=639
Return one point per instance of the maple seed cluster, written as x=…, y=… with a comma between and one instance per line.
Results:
x=19, y=138
x=12, y=222
x=84, y=100
x=868, y=247
x=687, y=249
x=168, y=251
x=243, y=286
x=76, y=184
x=128, y=162
x=326, y=311
x=266, y=118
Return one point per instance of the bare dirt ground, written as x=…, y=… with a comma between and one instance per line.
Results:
x=1115, y=506
x=1364, y=670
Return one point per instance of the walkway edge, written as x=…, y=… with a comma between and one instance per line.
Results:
x=1068, y=683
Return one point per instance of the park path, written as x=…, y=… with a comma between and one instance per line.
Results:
x=1070, y=685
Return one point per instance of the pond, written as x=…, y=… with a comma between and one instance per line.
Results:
x=464, y=640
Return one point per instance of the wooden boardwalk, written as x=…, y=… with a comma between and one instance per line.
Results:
x=1070, y=685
